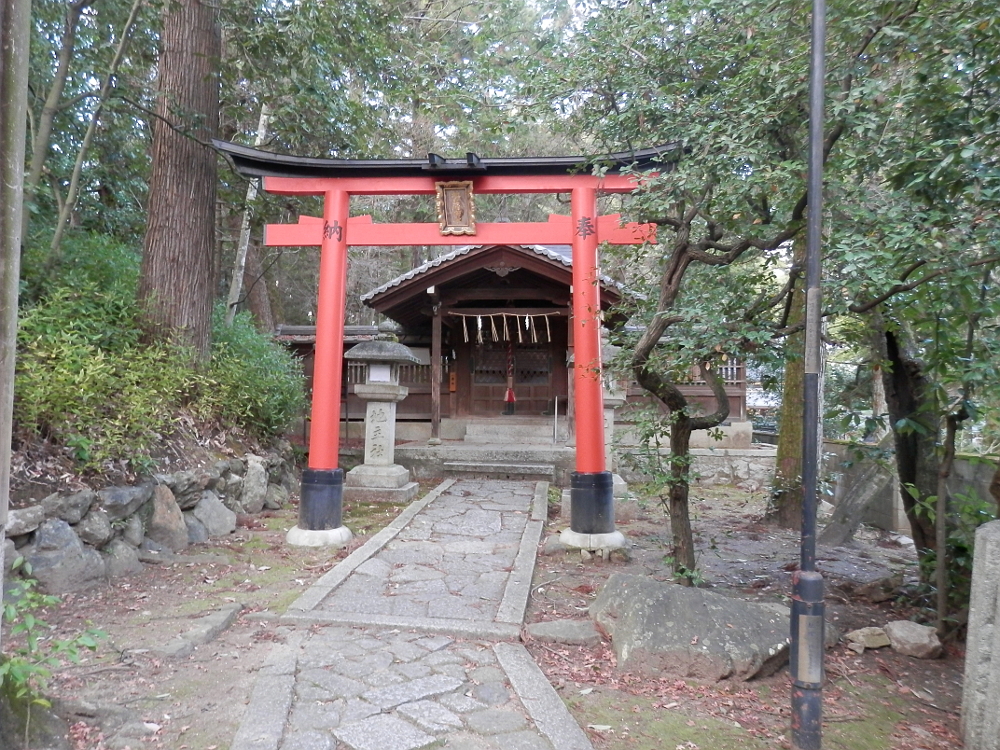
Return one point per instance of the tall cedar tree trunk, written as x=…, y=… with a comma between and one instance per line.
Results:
x=255, y=288
x=907, y=395
x=15, y=20
x=177, y=277
x=786, y=491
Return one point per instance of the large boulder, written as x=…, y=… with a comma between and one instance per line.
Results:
x=859, y=640
x=121, y=559
x=134, y=531
x=230, y=489
x=197, y=533
x=61, y=562
x=187, y=486
x=912, y=639
x=95, y=529
x=165, y=523
x=280, y=472
x=662, y=629
x=276, y=497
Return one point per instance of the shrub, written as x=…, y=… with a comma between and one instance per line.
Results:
x=87, y=381
x=84, y=381
x=252, y=382
x=87, y=258
x=28, y=665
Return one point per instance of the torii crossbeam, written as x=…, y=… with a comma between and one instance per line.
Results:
x=592, y=517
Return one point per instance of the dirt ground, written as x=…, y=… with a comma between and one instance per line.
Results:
x=126, y=694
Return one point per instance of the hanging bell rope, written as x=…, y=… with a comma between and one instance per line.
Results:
x=509, y=396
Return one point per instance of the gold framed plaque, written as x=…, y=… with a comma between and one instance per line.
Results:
x=456, y=207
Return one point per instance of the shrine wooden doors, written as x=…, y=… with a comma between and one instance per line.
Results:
x=536, y=369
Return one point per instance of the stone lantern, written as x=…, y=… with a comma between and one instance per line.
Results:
x=379, y=478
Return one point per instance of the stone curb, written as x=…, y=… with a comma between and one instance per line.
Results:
x=264, y=722
x=515, y=595
x=514, y=602
x=329, y=581
x=540, y=699
x=540, y=503
x=206, y=628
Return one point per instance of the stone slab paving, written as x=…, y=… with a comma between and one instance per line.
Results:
x=409, y=638
x=458, y=561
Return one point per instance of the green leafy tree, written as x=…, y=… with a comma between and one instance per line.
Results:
x=724, y=85
x=91, y=67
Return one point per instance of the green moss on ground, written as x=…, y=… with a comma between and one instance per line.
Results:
x=619, y=720
x=632, y=722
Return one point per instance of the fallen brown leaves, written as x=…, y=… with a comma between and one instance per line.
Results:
x=767, y=718
x=82, y=736
x=596, y=666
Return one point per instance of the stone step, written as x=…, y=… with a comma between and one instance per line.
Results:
x=502, y=470
x=534, y=432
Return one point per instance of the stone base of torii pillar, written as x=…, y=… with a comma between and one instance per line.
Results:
x=337, y=537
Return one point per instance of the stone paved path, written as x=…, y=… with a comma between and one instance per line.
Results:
x=411, y=640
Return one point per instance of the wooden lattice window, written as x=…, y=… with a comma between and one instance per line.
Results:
x=533, y=366
x=490, y=367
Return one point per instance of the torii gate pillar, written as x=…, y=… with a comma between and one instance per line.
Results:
x=321, y=499
x=592, y=510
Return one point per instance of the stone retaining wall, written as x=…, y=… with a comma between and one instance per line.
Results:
x=747, y=468
x=77, y=540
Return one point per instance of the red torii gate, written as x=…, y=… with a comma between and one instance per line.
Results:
x=337, y=180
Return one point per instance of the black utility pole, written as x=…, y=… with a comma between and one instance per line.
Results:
x=807, y=585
